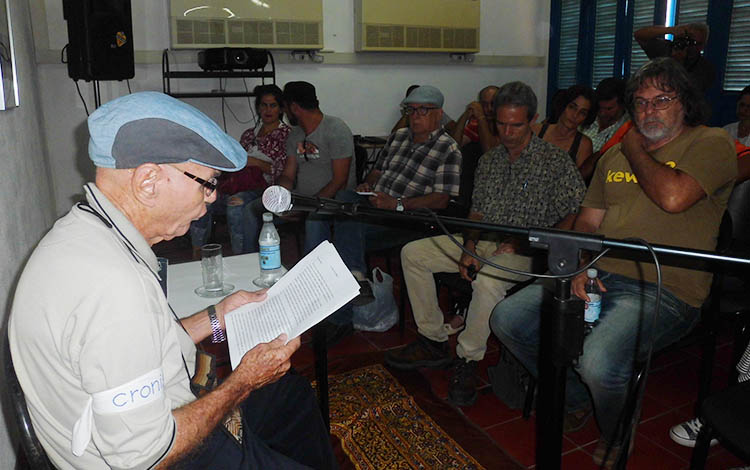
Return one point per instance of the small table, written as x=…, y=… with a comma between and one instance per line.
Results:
x=239, y=270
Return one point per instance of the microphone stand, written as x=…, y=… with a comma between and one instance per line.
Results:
x=561, y=327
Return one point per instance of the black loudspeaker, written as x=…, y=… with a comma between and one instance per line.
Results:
x=231, y=58
x=100, y=39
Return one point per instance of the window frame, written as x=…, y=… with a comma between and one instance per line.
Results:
x=718, y=16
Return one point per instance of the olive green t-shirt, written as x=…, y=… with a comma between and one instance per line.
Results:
x=706, y=154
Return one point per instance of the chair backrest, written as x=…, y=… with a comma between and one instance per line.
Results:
x=33, y=450
x=739, y=208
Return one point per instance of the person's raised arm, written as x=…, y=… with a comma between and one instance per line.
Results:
x=340, y=168
x=669, y=188
x=647, y=33
x=286, y=178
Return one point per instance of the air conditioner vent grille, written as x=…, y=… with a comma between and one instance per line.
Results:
x=417, y=37
x=242, y=32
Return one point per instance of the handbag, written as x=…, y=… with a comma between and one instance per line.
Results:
x=510, y=380
x=382, y=313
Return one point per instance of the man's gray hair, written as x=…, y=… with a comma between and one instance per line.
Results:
x=516, y=94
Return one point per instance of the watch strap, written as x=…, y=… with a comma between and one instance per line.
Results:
x=217, y=334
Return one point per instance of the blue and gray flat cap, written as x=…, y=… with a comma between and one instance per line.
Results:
x=424, y=94
x=151, y=127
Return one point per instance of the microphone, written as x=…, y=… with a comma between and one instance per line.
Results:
x=278, y=199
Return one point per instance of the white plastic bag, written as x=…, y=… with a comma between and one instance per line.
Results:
x=381, y=314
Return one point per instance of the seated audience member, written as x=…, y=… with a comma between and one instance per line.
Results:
x=740, y=130
x=104, y=363
x=686, y=47
x=610, y=113
x=265, y=146
x=524, y=181
x=678, y=175
x=477, y=123
x=446, y=121
x=578, y=108
x=420, y=167
x=319, y=156
x=610, y=116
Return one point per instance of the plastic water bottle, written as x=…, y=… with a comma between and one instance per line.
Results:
x=594, y=305
x=270, y=253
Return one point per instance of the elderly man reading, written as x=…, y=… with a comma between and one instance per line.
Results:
x=104, y=362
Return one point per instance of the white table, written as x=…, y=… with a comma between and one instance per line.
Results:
x=239, y=270
x=184, y=278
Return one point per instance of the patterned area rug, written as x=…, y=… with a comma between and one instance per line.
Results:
x=381, y=427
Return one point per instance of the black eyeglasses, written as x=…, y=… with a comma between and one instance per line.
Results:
x=421, y=110
x=209, y=186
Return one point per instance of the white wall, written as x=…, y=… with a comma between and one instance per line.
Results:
x=26, y=207
x=365, y=96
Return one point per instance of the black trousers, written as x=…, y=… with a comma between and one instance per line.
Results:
x=283, y=429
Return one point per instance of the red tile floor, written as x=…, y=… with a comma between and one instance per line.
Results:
x=671, y=392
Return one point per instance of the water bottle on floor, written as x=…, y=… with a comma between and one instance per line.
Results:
x=594, y=305
x=270, y=253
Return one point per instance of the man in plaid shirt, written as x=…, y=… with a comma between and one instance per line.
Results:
x=419, y=167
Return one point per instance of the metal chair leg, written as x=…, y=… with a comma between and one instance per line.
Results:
x=700, y=452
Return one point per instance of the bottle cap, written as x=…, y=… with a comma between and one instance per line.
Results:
x=592, y=273
x=267, y=217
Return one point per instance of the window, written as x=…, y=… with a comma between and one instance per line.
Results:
x=643, y=15
x=692, y=11
x=737, y=69
x=570, y=17
x=604, y=40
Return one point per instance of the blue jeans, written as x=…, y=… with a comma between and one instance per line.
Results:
x=282, y=429
x=242, y=241
x=605, y=368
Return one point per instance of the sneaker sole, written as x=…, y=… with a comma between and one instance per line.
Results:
x=687, y=442
x=441, y=364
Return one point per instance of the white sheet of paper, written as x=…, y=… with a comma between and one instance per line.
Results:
x=316, y=287
x=365, y=193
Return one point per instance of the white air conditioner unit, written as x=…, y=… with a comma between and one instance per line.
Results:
x=267, y=24
x=416, y=25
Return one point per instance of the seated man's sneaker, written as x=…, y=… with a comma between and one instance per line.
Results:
x=463, y=387
x=686, y=433
x=421, y=353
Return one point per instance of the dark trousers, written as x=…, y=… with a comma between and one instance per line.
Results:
x=283, y=429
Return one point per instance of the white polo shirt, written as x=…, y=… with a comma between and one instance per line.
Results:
x=97, y=351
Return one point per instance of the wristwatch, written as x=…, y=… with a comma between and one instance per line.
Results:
x=217, y=334
x=399, y=205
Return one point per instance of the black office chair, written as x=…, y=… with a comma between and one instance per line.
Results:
x=725, y=416
x=35, y=455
